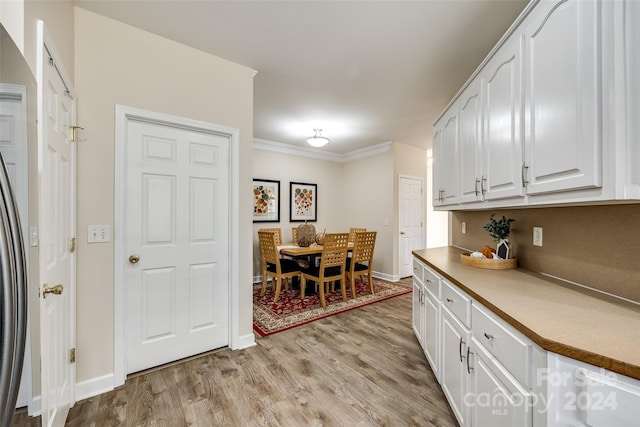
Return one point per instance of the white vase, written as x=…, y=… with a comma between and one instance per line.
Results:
x=502, y=250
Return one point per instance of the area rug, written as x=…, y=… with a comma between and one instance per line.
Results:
x=290, y=311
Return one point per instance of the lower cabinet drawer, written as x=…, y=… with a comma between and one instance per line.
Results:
x=432, y=283
x=418, y=268
x=507, y=345
x=458, y=302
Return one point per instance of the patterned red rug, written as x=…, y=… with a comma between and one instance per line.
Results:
x=290, y=311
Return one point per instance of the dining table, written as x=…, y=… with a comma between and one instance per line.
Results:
x=312, y=251
x=293, y=250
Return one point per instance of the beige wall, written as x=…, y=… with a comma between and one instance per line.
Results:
x=119, y=64
x=596, y=246
x=367, y=196
x=350, y=194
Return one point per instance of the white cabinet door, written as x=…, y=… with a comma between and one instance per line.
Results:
x=470, y=148
x=495, y=398
x=502, y=122
x=436, y=156
x=449, y=156
x=632, y=56
x=431, y=328
x=418, y=297
x=453, y=375
x=562, y=96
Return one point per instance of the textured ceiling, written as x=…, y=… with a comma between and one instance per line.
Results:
x=366, y=72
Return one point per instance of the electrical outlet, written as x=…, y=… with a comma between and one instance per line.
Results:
x=464, y=228
x=537, y=236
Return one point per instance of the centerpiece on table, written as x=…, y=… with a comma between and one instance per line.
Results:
x=488, y=257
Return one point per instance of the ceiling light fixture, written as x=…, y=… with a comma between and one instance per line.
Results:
x=318, y=140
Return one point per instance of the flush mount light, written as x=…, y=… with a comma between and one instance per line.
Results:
x=318, y=140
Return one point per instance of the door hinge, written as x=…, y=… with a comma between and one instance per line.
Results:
x=72, y=355
x=72, y=244
x=73, y=133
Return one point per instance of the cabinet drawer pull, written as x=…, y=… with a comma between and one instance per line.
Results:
x=460, y=349
x=476, y=186
x=469, y=368
x=428, y=280
x=449, y=300
x=487, y=336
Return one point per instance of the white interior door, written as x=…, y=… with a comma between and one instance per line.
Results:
x=410, y=214
x=56, y=221
x=177, y=242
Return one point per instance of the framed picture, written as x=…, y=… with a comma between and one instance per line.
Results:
x=304, y=202
x=266, y=200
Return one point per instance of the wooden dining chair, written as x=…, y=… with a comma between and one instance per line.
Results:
x=294, y=235
x=353, y=231
x=280, y=269
x=277, y=231
x=332, y=266
x=361, y=261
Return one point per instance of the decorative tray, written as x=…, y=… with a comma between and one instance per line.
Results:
x=491, y=264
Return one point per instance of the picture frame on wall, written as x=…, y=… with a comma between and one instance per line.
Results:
x=303, y=202
x=266, y=200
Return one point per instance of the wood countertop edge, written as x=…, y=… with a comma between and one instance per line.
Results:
x=582, y=355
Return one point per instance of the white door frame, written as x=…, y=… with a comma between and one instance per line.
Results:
x=422, y=222
x=122, y=115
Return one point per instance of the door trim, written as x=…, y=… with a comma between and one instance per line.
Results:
x=122, y=115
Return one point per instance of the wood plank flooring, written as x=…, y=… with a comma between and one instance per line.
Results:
x=359, y=368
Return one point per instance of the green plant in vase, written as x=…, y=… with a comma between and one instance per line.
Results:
x=499, y=229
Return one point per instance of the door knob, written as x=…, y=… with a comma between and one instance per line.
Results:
x=56, y=290
x=133, y=259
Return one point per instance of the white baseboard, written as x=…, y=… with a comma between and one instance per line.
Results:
x=84, y=390
x=94, y=387
x=246, y=341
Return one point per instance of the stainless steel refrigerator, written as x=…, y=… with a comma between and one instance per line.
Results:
x=13, y=302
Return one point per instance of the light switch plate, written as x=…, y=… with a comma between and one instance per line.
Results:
x=99, y=234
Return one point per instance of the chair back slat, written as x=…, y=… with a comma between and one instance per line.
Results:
x=334, y=250
x=353, y=231
x=363, y=247
x=269, y=247
x=277, y=231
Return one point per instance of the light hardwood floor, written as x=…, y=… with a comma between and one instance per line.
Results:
x=360, y=368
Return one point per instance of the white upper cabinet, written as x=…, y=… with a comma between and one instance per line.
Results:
x=436, y=155
x=502, y=122
x=563, y=147
x=470, y=144
x=550, y=117
x=632, y=56
x=445, y=159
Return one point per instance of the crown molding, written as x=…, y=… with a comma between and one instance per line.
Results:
x=279, y=147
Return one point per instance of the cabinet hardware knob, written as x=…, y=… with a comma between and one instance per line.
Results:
x=487, y=336
x=449, y=300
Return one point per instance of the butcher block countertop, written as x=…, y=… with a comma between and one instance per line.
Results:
x=559, y=317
